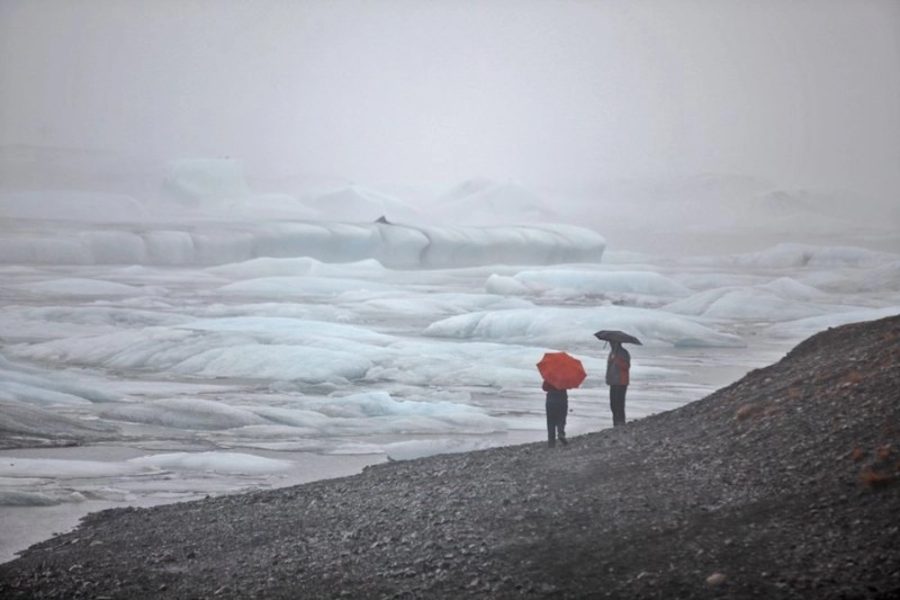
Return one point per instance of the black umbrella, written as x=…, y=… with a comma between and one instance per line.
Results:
x=617, y=336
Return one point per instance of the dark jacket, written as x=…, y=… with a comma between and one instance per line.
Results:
x=553, y=393
x=618, y=365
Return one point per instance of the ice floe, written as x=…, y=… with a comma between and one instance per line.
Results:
x=559, y=327
x=801, y=328
x=563, y=282
x=402, y=246
x=237, y=463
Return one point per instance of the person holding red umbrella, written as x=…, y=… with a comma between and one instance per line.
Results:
x=560, y=372
x=557, y=407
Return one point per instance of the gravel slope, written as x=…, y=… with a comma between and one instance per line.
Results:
x=781, y=485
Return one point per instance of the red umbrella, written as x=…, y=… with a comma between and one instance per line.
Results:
x=561, y=370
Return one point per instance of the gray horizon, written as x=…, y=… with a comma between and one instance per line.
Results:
x=805, y=94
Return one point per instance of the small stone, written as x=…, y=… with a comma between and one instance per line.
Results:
x=715, y=579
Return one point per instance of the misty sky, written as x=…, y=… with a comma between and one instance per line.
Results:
x=804, y=93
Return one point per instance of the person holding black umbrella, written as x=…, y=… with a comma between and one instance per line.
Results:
x=618, y=368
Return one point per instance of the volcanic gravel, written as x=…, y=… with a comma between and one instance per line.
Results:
x=781, y=485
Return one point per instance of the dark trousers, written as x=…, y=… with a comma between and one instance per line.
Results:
x=617, y=403
x=557, y=408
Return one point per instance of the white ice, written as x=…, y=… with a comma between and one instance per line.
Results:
x=568, y=282
x=404, y=246
x=559, y=327
x=12, y=467
x=805, y=327
x=357, y=203
x=40, y=380
x=781, y=299
x=216, y=462
x=293, y=287
x=224, y=354
x=80, y=286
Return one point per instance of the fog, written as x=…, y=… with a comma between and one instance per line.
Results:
x=245, y=245
x=556, y=95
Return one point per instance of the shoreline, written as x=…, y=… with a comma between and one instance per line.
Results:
x=22, y=529
x=785, y=483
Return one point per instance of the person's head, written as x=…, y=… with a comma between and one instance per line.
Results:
x=616, y=345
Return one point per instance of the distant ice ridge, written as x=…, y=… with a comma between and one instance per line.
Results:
x=397, y=246
x=782, y=299
x=791, y=255
x=559, y=327
x=808, y=326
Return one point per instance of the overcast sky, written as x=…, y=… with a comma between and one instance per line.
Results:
x=803, y=93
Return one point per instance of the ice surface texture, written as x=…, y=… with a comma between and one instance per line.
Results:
x=403, y=246
x=558, y=327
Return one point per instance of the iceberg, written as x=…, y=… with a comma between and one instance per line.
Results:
x=394, y=246
x=801, y=328
x=235, y=463
x=780, y=300
x=294, y=287
x=883, y=278
x=183, y=413
x=22, y=420
x=565, y=327
x=24, y=383
x=285, y=267
x=355, y=203
x=584, y=282
x=246, y=347
x=16, y=498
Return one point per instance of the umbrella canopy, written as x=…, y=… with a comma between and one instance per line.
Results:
x=561, y=370
x=617, y=336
